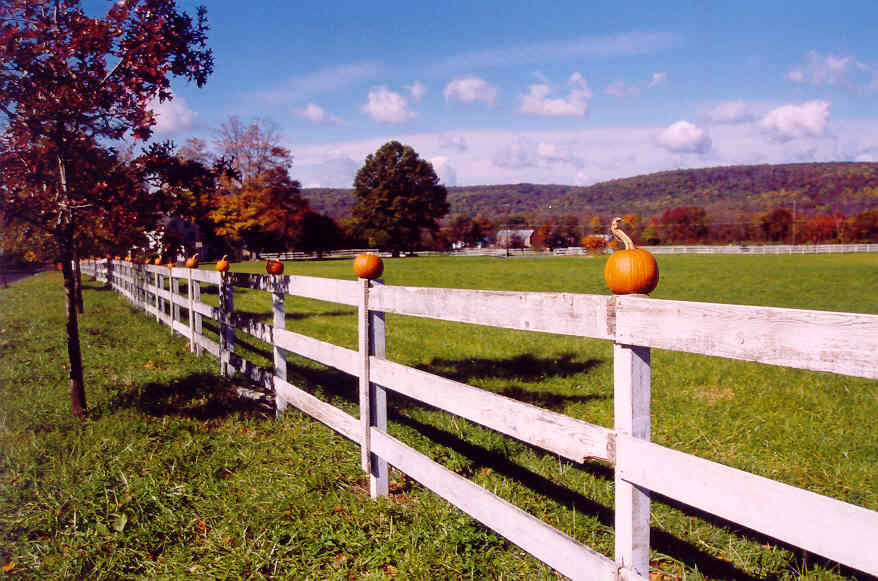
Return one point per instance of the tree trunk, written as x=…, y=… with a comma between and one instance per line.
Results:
x=77, y=282
x=74, y=352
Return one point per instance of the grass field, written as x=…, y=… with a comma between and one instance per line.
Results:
x=171, y=476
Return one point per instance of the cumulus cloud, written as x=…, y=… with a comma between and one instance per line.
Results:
x=316, y=114
x=553, y=153
x=172, y=116
x=471, y=89
x=538, y=102
x=385, y=106
x=445, y=171
x=822, y=70
x=658, y=79
x=417, y=91
x=332, y=170
x=796, y=121
x=684, y=137
x=452, y=143
x=618, y=88
x=732, y=112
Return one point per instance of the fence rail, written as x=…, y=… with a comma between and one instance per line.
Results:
x=843, y=343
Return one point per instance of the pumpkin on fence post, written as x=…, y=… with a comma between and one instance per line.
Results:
x=367, y=265
x=192, y=262
x=631, y=270
x=222, y=265
x=274, y=267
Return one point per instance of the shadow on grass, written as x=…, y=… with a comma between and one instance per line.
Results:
x=335, y=384
x=200, y=396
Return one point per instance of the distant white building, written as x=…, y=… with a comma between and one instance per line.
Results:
x=515, y=238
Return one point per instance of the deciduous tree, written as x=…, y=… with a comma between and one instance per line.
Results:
x=71, y=85
x=398, y=194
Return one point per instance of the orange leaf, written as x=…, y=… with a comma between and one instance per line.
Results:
x=8, y=566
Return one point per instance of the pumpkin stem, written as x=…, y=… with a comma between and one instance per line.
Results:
x=225, y=257
x=617, y=232
x=195, y=256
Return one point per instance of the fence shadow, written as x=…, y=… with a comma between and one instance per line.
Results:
x=200, y=396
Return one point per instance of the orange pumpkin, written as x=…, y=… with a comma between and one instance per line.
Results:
x=222, y=264
x=368, y=265
x=632, y=270
x=158, y=261
x=274, y=267
x=192, y=262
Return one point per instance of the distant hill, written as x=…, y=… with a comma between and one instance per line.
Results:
x=815, y=187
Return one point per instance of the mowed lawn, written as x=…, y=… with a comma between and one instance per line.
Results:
x=171, y=476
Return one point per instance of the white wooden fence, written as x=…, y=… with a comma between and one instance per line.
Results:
x=843, y=343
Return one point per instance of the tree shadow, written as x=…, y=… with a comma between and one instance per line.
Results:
x=200, y=396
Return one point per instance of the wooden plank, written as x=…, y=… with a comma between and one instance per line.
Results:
x=211, y=347
x=340, y=358
x=564, y=313
x=631, y=411
x=210, y=276
x=547, y=544
x=206, y=310
x=324, y=289
x=821, y=525
x=182, y=328
x=571, y=438
x=340, y=421
x=845, y=343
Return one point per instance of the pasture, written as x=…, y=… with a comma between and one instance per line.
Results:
x=170, y=477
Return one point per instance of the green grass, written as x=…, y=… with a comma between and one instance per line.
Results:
x=172, y=477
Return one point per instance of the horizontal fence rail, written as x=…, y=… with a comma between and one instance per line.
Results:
x=843, y=343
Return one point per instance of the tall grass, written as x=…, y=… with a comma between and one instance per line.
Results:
x=172, y=476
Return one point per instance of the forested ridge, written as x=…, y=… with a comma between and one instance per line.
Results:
x=846, y=187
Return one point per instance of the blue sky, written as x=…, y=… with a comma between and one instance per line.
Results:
x=543, y=92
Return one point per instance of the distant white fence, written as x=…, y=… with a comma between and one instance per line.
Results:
x=843, y=343
x=350, y=253
x=765, y=249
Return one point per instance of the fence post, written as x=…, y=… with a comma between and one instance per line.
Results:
x=191, y=313
x=378, y=477
x=365, y=404
x=196, y=297
x=159, y=303
x=227, y=332
x=174, y=289
x=631, y=403
x=279, y=321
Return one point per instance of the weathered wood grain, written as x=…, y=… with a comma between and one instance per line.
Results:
x=845, y=343
x=833, y=529
x=564, y=313
x=571, y=438
x=328, y=354
x=340, y=421
x=631, y=412
x=546, y=543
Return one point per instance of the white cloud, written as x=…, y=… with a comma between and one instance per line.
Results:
x=331, y=169
x=658, y=78
x=385, y=106
x=442, y=167
x=684, y=137
x=553, y=153
x=172, y=116
x=618, y=88
x=452, y=143
x=526, y=153
x=731, y=112
x=796, y=121
x=471, y=89
x=417, y=90
x=822, y=70
x=537, y=101
x=316, y=114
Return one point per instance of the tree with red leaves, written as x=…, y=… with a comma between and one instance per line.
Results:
x=71, y=87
